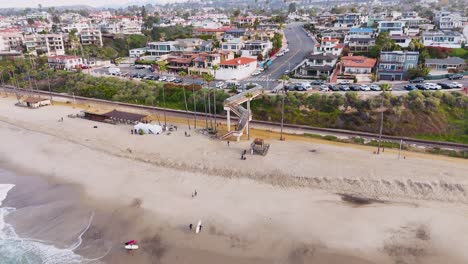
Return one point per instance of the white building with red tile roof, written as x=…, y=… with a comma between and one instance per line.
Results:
x=236, y=69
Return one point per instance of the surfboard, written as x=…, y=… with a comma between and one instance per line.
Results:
x=197, y=230
x=131, y=247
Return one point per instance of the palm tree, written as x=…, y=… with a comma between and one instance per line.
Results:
x=215, y=68
x=209, y=78
x=183, y=74
x=248, y=96
x=194, y=101
x=163, y=68
x=283, y=78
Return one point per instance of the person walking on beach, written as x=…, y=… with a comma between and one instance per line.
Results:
x=228, y=143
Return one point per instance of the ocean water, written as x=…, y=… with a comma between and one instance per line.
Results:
x=20, y=250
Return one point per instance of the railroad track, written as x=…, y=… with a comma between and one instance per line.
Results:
x=256, y=123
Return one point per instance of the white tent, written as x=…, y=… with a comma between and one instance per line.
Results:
x=148, y=128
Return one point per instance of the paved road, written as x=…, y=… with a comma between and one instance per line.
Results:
x=300, y=44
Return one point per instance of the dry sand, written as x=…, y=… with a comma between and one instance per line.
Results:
x=282, y=208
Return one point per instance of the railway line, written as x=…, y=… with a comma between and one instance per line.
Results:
x=254, y=123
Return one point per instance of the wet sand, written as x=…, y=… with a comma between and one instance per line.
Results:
x=282, y=208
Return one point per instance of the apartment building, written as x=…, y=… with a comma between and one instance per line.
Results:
x=393, y=65
x=38, y=15
x=233, y=44
x=91, y=37
x=11, y=41
x=47, y=44
x=442, y=38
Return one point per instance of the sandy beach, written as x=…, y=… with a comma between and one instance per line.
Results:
x=286, y=207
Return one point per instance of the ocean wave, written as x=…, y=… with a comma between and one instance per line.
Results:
x=14, y=249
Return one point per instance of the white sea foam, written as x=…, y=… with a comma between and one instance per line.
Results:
x=14, y=249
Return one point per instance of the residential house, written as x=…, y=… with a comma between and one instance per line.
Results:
x=356, y=64
x=43, y=15
x=216, y=32
x=334, y=33
x=360, y=33
x=136, y=53
x=393, y=65
x=179, y=63
x=350, y=20
x=329, y=45
x=448, y=20
x=160, y=48
x=63, y=62
x=236, y=32
x=206, y=46
x=91, y=37
x=402, y=41
x=450, y=63
x=253, y=49
x=392, y=27
x=360, y=44
x=204, y=62
x=236, y=69
x=75, y=26
x=188, y=44
x=443, y=39
x=244, y=21
x=48, y=44
x=316, y=66
x=232, y=44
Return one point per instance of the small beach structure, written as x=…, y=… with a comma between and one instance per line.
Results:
x=148, y=128
x=34, y=102
x=116, y=116
x=259, y=147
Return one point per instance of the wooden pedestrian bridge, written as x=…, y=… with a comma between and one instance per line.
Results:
x=234, y=104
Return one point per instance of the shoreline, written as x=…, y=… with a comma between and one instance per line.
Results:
x=251, y=215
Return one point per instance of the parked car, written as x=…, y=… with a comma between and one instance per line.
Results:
x=178, y=80
x=433, y=86
x=344, y=87
x=456, y=76
x=153, y=78
x=300, y=87
x=290, y=87
x=445, y=85
x=317, y=82
x=324, y=88
x=255, y=73
x=456, y=85
x=417, y=80
x=219, y=85
x=354, y=87
x=344, y=82
x=171, y=79
x=410, y=87
x=422, y=86
x=162, y=78
x=199, y=82
x=375, y=87
x=333, y=87
x=364, y=88
x=286, y=72
x=279, y=54
x=139, y=67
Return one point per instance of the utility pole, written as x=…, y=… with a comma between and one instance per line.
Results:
x=282, y=116
x=50, y=90
x=381, y=124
